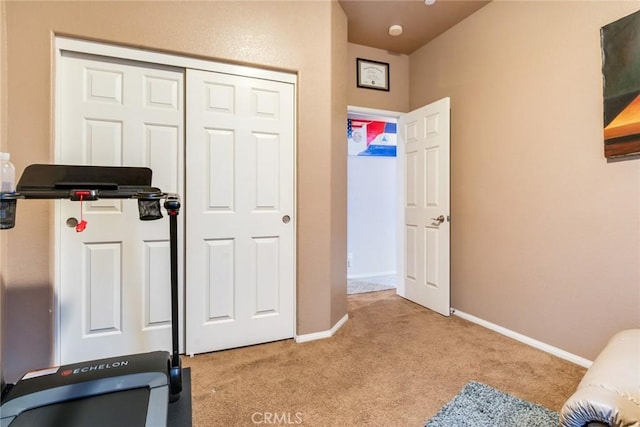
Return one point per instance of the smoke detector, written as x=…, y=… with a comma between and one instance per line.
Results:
x=395, y=30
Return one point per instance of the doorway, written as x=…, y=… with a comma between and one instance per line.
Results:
x=372, y=200
x=422, y=203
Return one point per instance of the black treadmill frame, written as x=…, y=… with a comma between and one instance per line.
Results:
x=77, y=182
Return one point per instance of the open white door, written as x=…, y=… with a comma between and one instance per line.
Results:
x=423, y=256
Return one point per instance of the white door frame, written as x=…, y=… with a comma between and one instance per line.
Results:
x=141, y=55
x=399, y=189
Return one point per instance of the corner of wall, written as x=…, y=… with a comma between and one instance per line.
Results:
x=339, y=56
x=3, y=143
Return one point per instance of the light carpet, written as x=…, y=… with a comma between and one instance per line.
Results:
x=371, y=284
x=479, y=405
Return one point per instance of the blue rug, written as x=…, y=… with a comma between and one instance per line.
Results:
x=479, y=405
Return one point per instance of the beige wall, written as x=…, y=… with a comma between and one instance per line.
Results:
x=397, y=98
x=545, y=232
x=308, y=38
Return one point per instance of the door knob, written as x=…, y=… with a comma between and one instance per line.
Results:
x=286, y=219
x=439, y=219
x=78, y=225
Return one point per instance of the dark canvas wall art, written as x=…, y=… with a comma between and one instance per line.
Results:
x=621, y=86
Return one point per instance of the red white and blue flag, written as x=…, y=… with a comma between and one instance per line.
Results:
x=371, y=138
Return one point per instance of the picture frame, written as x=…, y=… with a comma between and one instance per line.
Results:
x=372, y=74
x=621, y=86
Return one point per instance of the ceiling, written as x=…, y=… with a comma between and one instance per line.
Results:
x=369, y=21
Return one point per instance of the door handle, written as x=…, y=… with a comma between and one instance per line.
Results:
x=439, y=219
x=80, y=226
x=286, y=219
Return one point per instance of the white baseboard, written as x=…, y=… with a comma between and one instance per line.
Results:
x=525, y=339
x=324, y=334
x=360, y=276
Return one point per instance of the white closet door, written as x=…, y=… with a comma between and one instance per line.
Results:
x=114, y=281
x=240, y=217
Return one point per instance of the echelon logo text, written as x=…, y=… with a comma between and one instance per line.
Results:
x=92, y=368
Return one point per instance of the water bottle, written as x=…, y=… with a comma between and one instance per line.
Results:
x=7, y=188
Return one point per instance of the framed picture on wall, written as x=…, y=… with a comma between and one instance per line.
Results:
x=372, y=74
x=621, y=76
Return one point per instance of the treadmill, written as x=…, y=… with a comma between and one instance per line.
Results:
x=129, y=390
